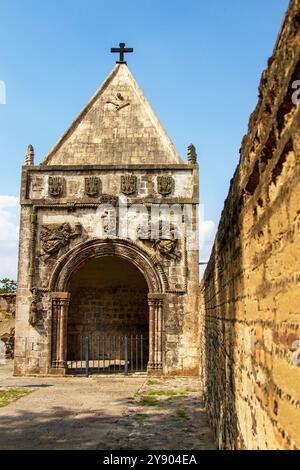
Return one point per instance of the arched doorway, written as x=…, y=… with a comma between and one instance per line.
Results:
x=108, y=304
x=65, y=273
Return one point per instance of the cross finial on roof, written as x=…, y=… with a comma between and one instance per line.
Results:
x=121, y=50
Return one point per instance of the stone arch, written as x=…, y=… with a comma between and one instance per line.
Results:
x=72, y=261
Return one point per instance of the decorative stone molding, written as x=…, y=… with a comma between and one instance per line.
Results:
x=54, y=238
x=66, y=265
x=108, y=199
x=128, y=184
x=56, y=186
x=92, y=186
x=165, y=185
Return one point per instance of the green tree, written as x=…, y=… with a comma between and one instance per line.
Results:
x=8, y=285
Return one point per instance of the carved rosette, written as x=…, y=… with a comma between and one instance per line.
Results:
x=92, y=186
x=128, y=184
x=56, y=186
x=165, y=185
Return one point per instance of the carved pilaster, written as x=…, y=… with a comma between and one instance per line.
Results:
x=60, y=307
x=155, y=334
x=151, y=304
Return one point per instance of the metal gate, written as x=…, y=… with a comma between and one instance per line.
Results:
x=91, y=354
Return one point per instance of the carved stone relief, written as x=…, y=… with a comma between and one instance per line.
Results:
x=128, y=184
x=119, y=102
x=165, y=185
x=108, y=199
x=37, y=184
x=56, y=186
x=92, y=186
x=55, y=238
x=166, y=244
x=108, y=223
x=33, y=313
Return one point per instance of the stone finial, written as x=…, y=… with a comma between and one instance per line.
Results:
x=29, y=158
x=191, y=154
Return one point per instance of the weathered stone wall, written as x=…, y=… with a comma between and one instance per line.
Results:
x=7, y=321
x=249, y=296
x=116, y=149
x=108, y=296
x=36, y=267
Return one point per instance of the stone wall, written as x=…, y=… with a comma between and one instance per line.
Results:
x=108, y=298
x=7, y=321
x=249, y=296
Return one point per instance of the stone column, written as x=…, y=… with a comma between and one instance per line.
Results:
x=155, y=333
x=159, y=334
x=60, y=305
x=151, y=304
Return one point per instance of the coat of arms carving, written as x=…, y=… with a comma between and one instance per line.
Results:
x=92, y=186
x=165, y=185
x=56, y=185
x=128, y=184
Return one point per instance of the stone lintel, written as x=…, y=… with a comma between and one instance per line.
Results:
x=156, y=296
x=60, y=295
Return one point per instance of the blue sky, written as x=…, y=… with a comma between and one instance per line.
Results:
x=198, y=62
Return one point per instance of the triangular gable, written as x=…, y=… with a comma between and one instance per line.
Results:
x=116, y=127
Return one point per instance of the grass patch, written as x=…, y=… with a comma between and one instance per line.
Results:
x=153, y=382
x=8, y=396
x=189, y=390
x=148, y=401
x=139, y=417
x=181, y=413
x=163, y=393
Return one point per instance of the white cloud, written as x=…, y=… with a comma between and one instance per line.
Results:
x=8, y=201
x=9, y=234
x=207, y=232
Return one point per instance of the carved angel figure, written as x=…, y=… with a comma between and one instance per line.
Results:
x=54, y=238
x=167, y=243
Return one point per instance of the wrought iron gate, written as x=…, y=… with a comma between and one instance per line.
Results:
x=88, y=354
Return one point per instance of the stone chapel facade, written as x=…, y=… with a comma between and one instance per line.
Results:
x=81, y=270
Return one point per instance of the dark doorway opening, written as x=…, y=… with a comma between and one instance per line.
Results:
x=108, y=320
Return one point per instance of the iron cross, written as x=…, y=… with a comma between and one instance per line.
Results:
x=121, y=50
